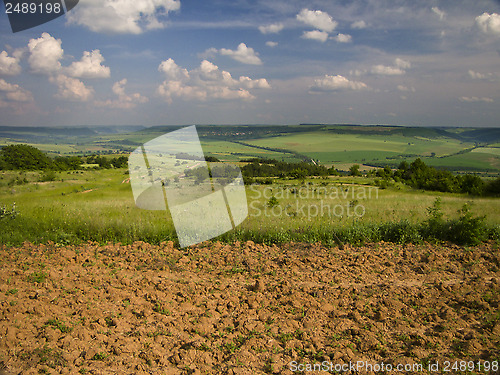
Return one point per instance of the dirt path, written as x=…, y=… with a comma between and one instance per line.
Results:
x=245, y=308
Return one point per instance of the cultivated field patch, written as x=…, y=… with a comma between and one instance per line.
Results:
x=244, y=308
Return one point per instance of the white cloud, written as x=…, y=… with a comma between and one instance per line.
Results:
x=406, y=89
x=387, y=70
x=403, y=64
x=89, y=66
x=476, y=75
x=343, y=38
x=397, y=69
x=489, y=23
x=9, y=66
x=317, y=19
x=124, y=101
x=357, y=72
x=475, y=99
x=336, y=83
x=243, y=54
x=172, y=70
x=45, y=53
x=271, y=29
x=439, y=12
x=209, y=53
x=249, y=83
x=320, y=36
x=271, y=44
x=206, y=82
x=15, y=93
x=122, y=16
x=359, y=25
x=403, y=88
x=71, y=89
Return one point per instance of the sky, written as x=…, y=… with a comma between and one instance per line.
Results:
x=182, y=62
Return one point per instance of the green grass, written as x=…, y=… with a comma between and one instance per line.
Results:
x=471, y=160
x=98, y=206
x=56, y=323
x=324, y=141
x=488, y=150
x=379, y=148
x=230, y=151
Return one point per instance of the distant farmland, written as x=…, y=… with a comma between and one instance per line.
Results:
x=456, y=149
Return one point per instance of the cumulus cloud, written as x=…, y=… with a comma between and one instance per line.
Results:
x=45, y=53
x=399, y=68
x=489, y=23
x=271, y=29
x=359, y=25
x=205, y=82
x=318, y=19
x=15, y=93
x=243, y=54
x=271, y=44
x=438, y=12
x=71, y=89
x=249, y=83
x=124, y=100
x=122, y=16
x=475, y=99
x=320, y=36
x=172, y=70
x=9, y=65
x=336, y=83
x=89, y=66
x=343, y=38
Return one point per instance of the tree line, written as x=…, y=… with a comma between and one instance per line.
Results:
x=421, y=176
x=25, y=157
x=258, y=167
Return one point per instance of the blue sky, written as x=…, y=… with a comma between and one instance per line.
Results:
x=176, y=62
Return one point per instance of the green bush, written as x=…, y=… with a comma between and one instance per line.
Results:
x=272, y=202
x=467, y=229
x=435, y=227
x=47, y=176
x=400, y=232
x=6, y=213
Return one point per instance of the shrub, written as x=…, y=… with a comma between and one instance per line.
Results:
x=47, y=176
x=400, y=232
x=6, y=213
x=467, y=229
x=272, y=202
x=435, y=226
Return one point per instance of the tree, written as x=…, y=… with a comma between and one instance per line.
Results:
x=472, y=185
x=493, y=187
x=354, y=170
x=24, y=157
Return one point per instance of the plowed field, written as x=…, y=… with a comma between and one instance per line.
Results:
x=245, y=308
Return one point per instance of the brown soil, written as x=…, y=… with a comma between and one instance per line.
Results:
x=244, y=308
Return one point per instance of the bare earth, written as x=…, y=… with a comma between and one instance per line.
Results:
x=245, y=308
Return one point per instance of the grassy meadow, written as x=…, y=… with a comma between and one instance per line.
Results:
x=97, y=205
